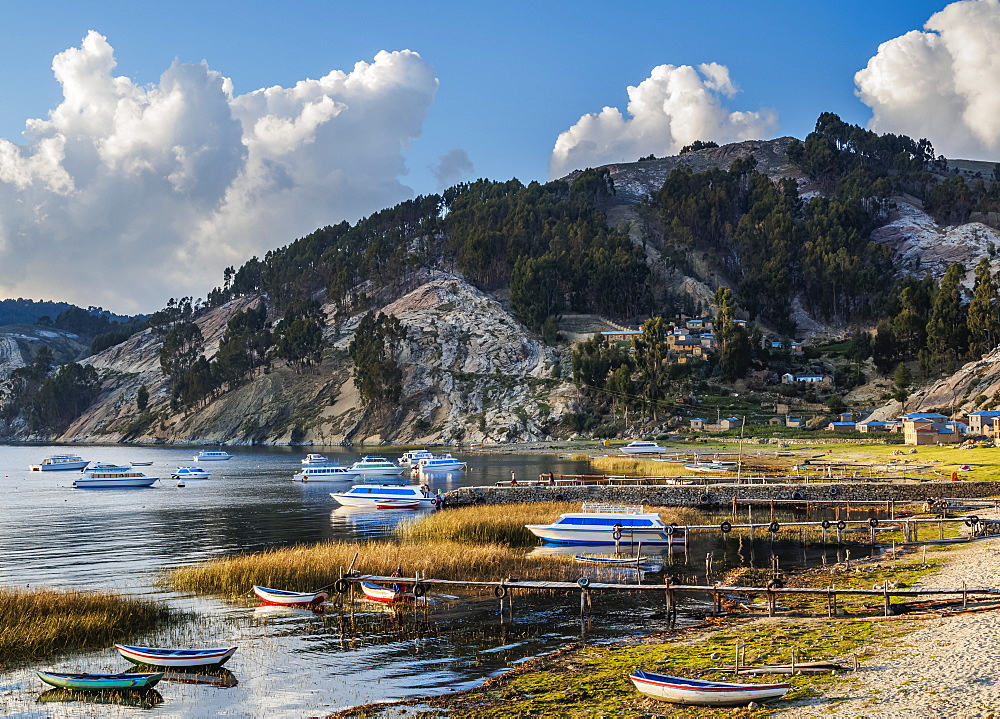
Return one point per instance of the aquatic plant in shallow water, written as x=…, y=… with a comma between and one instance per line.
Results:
x=41, y=622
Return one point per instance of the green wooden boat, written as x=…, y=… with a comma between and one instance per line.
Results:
x=100, y=682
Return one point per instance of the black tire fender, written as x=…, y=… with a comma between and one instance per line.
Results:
x=776, y=584
x=419, y=590
x=584, y=582
x=834, y=491
x=706, y=498
x=726, y=527
x=873, y=522
x=341, y=585
x=616, y=534
x=668, y=530
x=825, y=524
x=500, y=591
x=798, y=494
x=773, y=527
x=841, y=525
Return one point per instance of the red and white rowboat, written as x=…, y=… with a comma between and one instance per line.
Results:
x=679, y=690
x=284, y=598
x=378, y=593
x=160, y=657
x=396, y=504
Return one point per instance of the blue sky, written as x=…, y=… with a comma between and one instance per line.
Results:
x=510, y=78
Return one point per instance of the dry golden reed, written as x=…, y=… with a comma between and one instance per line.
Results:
x=311, y=567
x=36, y=623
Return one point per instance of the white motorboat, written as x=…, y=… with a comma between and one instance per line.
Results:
x=373, y=466
x=600, y=523
x=373, y=495
x=59, y=462
x=190, y=473
x=698, y=692
x=325, y=473
x=412, y=458
x=315, y=459
x=642, y=447
x=212, y=455
x=108, y=476
x=441, y=463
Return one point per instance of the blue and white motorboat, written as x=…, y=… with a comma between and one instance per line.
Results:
x=191, y=473
x=314, y=460
x=59, y=462
x=325, y=473
x=441, y=463
x=111, y=476
x=375, y=466
x=412, y=458
x=600, y=523
x=372, y=495
x=213, y=455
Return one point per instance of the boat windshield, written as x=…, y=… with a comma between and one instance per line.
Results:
x=607, y=521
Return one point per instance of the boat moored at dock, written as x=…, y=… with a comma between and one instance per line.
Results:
x=374, y=466
x=285, y=598
x=441, y=463
x=412, y=458
x=325, y=473
x=372, y=495
x=599, y=523
x=59, y=462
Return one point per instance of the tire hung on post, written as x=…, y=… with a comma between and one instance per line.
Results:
x=841, y=525
x=773, y=527
x=798, y=494
x=341, y=585
x=726, y=527
x=825, y=524
x=419, y=590
x=500, y=591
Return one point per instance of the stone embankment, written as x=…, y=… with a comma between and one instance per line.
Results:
x=716, y=494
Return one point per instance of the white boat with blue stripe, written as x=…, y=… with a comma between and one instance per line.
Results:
x=371, y=495
x=441, y=463
x=326, y=473
x=600, y=523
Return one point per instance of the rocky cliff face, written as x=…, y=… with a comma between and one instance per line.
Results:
x=470, y=372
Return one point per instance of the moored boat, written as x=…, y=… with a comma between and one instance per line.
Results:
x=441, y=463
x=711, y=467
x=397, y=504
x=679, y=690
x=642, y=447
x=314, y=459
x=412, y=458
x=600, y=523
x=285, y=598
x=162, y=657
x=59, y=462
x=212, y=455
x=141, y=464
x=100, y=682
x=371, y=495
x=111, y=476
x=325, y=473
x=388, y=595
x=376, y=466
x=191, y=473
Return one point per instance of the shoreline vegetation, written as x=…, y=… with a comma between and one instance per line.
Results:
x=473, y=543
x=40, y=623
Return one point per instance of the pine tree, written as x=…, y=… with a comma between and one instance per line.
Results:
x=984, y=312
x=947, y=335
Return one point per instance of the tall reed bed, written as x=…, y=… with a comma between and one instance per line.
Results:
x=314, y=566
x=35, y=623
x=638, y=467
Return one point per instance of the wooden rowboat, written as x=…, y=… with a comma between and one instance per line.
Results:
x=396, y=504
x=159, y=657
x=100, y=682
x=596, y=559
x=679, y=690
x=290, y=599
x=378, y=593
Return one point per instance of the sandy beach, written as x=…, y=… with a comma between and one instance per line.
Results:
x=948, y=668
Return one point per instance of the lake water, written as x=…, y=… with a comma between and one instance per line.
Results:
x=290, y=663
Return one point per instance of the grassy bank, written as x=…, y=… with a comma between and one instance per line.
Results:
x=593, y=681
x=37, y=623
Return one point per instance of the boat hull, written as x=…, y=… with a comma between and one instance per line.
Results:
x=162, y=657
x=602, y=536
x=326, y=476
x=694, y=692
x=61, y=467
x=282, y=598
x=114, y=483
x=379, y=471
x=386, y=595
x=373, y=500
x=100, y=682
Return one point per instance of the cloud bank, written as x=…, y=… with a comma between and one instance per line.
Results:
x=128, y=195
x=942, y=83
x=673, y=107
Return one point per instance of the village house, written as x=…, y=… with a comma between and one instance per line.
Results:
x=621, y=335
x=932, y=428
x=981, y=422
x=823, y=379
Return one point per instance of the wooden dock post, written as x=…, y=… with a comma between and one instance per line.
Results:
x=888, y=606
x=771, y=601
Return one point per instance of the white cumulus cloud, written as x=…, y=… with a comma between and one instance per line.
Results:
x=673, y=107
x=127, y=195
x=942, y=83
